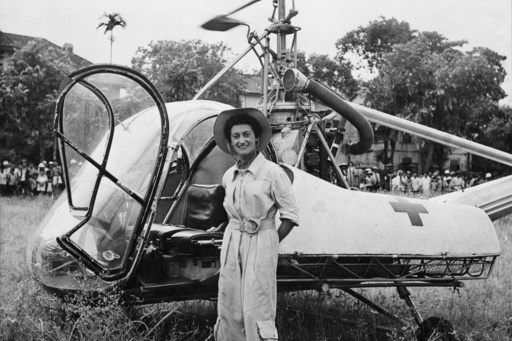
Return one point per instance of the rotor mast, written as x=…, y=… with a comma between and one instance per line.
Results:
x=281, y=40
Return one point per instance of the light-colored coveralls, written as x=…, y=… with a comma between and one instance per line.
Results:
x=247, y=284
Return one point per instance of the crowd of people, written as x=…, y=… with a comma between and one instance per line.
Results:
x=25, y=179
x=407, y=182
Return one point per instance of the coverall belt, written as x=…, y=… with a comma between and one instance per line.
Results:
x=251, y=225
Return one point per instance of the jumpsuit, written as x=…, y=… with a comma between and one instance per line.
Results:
x=247, y=284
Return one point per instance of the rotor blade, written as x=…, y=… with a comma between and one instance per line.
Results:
x=244, y=6
x=221, y=23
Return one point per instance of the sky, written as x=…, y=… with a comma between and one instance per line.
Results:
x=482, y=23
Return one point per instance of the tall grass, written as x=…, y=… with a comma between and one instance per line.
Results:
x=481, y=311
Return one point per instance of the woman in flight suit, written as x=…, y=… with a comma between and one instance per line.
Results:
x=256, y=189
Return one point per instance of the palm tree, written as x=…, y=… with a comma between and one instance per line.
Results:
x=111, y=21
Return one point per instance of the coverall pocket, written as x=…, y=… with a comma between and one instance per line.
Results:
x=267, y=330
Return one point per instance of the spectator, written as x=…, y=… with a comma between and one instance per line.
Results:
x=42, y=180
x=426, y=182
x=24, y=178
x=457, y=182
x=488, y=177
x=395, y=182
x=376, y=179
x=403, y=181
x=33, y=182
x=73, y=168
x=409, y=182
x=439, y=184
x=57, y=177
x=386, y=184
x=369, y=184
x=475, y=180
x=3, y=178
x=415, y=183
x=352, y=177
x=12, y=180
x=447, y=180
x=32, y=178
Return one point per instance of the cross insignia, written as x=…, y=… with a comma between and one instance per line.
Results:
x=412, y=210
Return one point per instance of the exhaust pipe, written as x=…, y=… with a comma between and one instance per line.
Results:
x=294, y=80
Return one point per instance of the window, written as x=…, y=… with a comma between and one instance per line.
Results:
x=406, y=138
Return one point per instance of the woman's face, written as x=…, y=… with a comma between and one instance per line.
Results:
x=243, y=140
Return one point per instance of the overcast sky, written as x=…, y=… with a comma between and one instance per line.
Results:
x=482, y=23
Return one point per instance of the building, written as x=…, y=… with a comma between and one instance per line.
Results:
x=252, y=92
x=9, y=42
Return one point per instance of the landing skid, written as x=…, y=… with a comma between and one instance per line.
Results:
x=432, y=328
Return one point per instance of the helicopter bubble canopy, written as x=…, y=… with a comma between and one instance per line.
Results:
x=113, y=130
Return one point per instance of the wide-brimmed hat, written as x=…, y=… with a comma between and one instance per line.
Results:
x=224, y=116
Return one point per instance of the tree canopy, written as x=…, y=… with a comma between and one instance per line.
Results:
x=432, y=82
x=110, y=22
x=368, y=44
x=180, y=68
x=28, y=90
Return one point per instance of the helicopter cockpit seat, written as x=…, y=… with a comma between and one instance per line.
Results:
x=205, y=207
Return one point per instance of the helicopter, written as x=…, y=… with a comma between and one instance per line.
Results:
x=135, y=214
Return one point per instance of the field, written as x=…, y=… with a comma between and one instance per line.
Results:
x=480, y=311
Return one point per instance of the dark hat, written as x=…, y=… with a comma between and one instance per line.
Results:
x=220, y=123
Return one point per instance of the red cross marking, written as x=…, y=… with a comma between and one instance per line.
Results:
x=412, y=210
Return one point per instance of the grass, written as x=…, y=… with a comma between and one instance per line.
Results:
x=481, y=311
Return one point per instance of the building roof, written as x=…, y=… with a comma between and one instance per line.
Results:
x=9, y=42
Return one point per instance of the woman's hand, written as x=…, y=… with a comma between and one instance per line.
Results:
x=285, y=228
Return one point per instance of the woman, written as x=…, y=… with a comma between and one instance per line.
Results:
x=255, y=190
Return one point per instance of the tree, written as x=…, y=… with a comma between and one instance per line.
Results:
x=28, y=91
x=111, y=21
x=335, y=74
x=430, y=82
x=180, y=69
x=495, y=132
x=368, y=44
